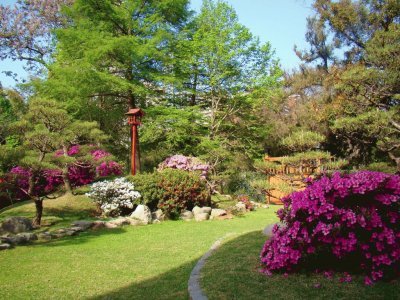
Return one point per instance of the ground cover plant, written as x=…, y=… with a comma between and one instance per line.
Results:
x=344, y=222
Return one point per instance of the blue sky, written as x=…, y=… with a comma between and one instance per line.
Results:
x=281, y=22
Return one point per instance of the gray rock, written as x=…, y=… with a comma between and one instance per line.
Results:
x=77, y=228
x=44, y=236
x=142, y=213
x=97, y=225
x=57, y=235
x=186, y=215
x=16, y=225
x=241, y=207
x=71, y=232
x=216, y=212
x=28, y=236
x=196, y=210
x=134, y=222
x=158, y=215
x=5, y=246
x=206, y=209
x=201, y=216
x=120, y=221
x=85, y=225
x=20, y=238
x=110, y=225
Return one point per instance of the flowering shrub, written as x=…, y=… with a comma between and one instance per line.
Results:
x=186, y=163
x=114, y=197
x=181, y=190
x=343, y=222
x=148, y=185
x=47, y=181
x=109, y=168
x=246, y=201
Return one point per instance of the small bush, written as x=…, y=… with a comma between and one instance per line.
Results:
x=181, y=190
x=344, y=222
x=114, y=197
x=246, y=201
x=148, y=186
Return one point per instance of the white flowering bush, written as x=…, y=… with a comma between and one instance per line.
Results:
x=113, y=196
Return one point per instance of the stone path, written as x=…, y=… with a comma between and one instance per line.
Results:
x=195, y=292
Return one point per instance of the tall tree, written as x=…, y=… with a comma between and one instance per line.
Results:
x=46, y=128
x=27, y=31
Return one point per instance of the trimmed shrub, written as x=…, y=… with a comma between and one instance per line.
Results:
x=182, y=190
x=148, y=186
x=345, y=222
x=114, y=197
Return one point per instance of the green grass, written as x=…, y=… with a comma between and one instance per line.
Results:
x=232, y=272
x=145, y=262
x=223, y=201
x=59, y=212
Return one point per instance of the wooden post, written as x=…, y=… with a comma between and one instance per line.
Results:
x=133, y=150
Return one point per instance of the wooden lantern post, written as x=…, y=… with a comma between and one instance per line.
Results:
x=134, y=117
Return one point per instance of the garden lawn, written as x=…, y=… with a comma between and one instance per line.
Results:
x=144, y=262
x=232, y=272
x=59, y=212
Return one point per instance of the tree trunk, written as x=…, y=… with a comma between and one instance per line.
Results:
x=67, y=182
x=39, y=211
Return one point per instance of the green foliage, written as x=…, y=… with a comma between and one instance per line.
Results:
x=182, y=190
x=381, y=167
x=308, y=158
x=302, y=140
x=148, y=185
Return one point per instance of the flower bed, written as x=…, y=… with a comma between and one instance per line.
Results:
x=344, y=222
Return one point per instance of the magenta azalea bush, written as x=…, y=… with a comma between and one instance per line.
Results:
x=186, y=163
x=344, y=222
x=79, y=174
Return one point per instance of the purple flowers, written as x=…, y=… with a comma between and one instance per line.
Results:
x=186, y=163
x=345, y=221
x=79, y=174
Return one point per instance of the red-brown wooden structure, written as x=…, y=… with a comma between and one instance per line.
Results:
x=134, y=119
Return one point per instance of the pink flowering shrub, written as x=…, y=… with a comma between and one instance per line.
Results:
x=49, y=180
x=109, y=168
x=186, y=163
x=345, y=222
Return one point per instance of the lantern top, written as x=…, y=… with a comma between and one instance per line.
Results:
x=135, y=112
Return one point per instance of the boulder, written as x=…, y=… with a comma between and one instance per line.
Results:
x=16, y=225
x=44, y=236
x=83, y=224
x=58, y=235
x=186, y=215
x=5, y=246
x=134, y=222
x=196, y=210
x=199, y=210
x=201, y=217
x=206, y=209
x=142, y=213
x=20, y=238
x=158, y=215
x=120, y=221
x=216, y=212
x=110, y=225
x=156, y=221
x=240, y=207
x=97, y=225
